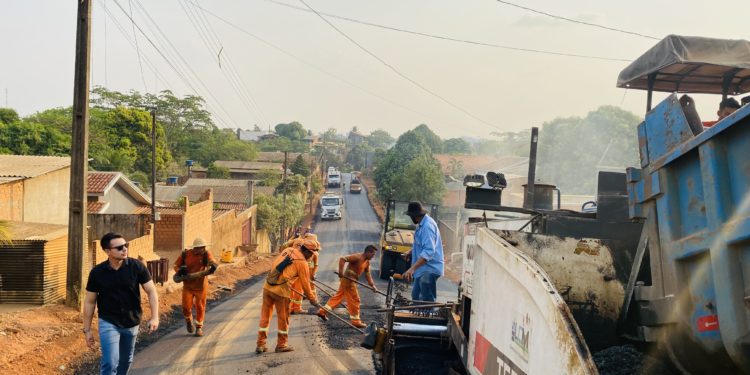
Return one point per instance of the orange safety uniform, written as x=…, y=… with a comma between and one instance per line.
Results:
x=295, y=302
x=357, y=265
x=277, y=296
x=194, y=291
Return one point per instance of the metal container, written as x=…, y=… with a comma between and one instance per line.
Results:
x=544, y=196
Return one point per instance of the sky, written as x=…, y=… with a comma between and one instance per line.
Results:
x=260, y=62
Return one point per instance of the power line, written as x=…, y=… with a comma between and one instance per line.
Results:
x=137, y=49
x=310, y=65
x=577, y=21
x=397, y=72
x=451, y=39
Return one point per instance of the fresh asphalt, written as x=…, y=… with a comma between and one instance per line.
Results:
x=321, y=348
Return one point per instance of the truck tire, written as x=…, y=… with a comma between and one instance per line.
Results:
x=386, y=265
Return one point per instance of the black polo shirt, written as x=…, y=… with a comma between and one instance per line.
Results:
x=119, y=291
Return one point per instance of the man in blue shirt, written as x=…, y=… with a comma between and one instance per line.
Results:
x=426, y=255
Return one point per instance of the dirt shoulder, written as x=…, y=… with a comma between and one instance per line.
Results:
x=372, y=196
x=48, y=339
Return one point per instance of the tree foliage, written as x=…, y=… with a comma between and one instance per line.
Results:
x=456, y=146
x=8, y=116
x=408, y=171
x=29, y=138
x=572, y=150
x=218, y=171
x=299, y=167
x=430, y=138
x=379, y=139
x=357, y=156
x=293, y=131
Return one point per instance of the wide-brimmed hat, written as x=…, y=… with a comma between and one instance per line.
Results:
x=311, y=244
x=415, y=209
x=198, y=242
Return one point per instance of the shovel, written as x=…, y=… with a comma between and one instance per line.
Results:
x=331, y=312
x=357, y=281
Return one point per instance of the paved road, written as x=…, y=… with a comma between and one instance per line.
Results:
x=231, y=327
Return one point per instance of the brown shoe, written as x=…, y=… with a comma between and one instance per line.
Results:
x=261, y=349
x=358, y=324
x=322, y=315
x=284, y=349
x=189, y=326
x=198, y=331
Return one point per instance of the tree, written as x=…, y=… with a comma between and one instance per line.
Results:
x=456, y=167
x=28, y=138
x=379, y=139
x=330, y=135
x=357, y=156
x=293, y=131
x=572, y=150
x=269, y=177
x=422, y=180
x=218, y=171
x=431, y=139
x=299, y=167
x=8, y=116
x=456, y=146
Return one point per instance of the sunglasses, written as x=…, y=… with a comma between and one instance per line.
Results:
x=121, y=247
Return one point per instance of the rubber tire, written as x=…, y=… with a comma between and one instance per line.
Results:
x=386, y=264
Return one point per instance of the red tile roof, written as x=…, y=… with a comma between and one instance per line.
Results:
x=98, y=181
x=95, y=207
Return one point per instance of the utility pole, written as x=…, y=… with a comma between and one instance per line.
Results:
x=79, y=158
x=154, y=217
x=283, y=216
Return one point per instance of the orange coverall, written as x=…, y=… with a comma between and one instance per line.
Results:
x=358, y=264
x=277, y=296
x=295, y=304
x=194, y=291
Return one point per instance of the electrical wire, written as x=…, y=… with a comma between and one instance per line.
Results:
x=451, y=39
x=308, y=64
x=137, y=48
x=399, y=73
x=577, y=21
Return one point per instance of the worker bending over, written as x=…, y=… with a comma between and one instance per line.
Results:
x=287, y=268
x=295, y=303
x=358, y=263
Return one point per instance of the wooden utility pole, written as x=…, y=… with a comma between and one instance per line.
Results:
x=79, y=158
x=154, y=214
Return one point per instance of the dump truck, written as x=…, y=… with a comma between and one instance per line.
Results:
x=355, y=186
x=397, y=238
x=333, y=178
x=331, y=204
x=659, y=261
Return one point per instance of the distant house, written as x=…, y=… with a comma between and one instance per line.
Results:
x=113, y=193
x=34, y=188
x=227, y=194
x=254, y=136
x=33, y=265
x=249, y=170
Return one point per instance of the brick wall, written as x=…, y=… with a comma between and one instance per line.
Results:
x=197, y=219
x=227, y=230
x=11, y=201
x=169, y=233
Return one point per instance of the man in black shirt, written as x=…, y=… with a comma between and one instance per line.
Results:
x=113, y=288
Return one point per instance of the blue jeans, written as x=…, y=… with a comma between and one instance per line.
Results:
x=118, y=346
x=425, y=287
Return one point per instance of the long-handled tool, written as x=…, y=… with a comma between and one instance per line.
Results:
x=357, y=281
x=330, y=312
x=320, y=283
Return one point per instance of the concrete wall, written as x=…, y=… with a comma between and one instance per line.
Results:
x=197, y=220
x=120, y=201
x=130, y=226
x=264, y=242
x=11, y=201
x=46, y=198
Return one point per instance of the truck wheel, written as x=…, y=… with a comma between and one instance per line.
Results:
x=386, y=265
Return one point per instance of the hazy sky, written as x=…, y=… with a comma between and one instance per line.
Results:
x=331, y=83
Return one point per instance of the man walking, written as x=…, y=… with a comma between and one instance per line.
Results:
x=113, y=289
x=358, y=263
x=195, y=264
x=426, y=255
x=287, y=268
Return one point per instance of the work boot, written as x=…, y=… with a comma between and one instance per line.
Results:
x=322, y=315
x=189, y=325
x=284, y=349
x=199, y=331
x=260, y=349
x=358, y=324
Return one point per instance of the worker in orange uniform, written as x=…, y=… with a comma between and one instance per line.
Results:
x=295, y=302
x=287, y=268
x=195, y=260
x=358, y=264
